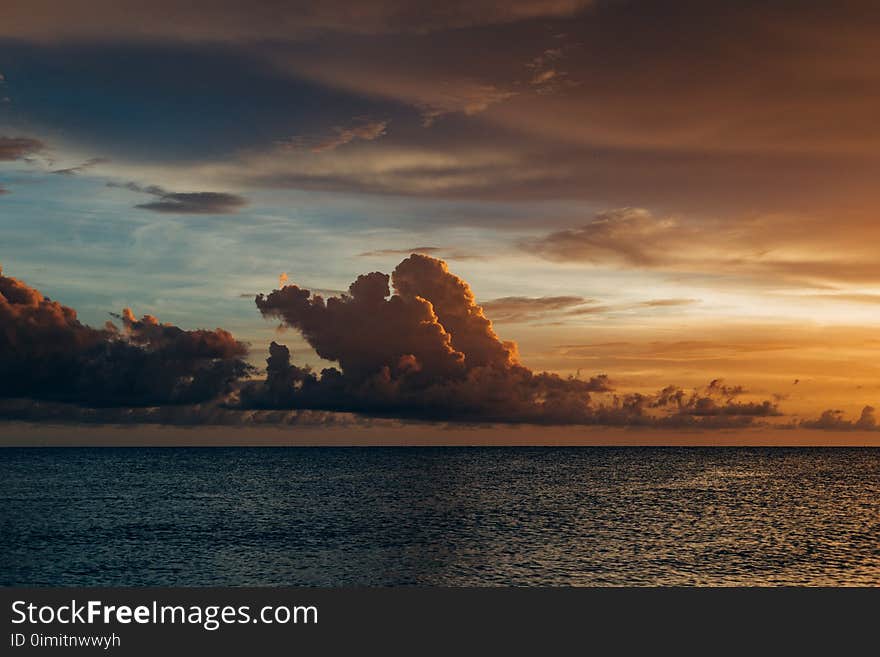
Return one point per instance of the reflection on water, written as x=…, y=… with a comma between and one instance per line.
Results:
x=439, y=516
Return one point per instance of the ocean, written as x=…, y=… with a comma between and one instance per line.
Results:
x=314, y=516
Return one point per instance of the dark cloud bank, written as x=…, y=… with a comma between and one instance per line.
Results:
x=47, y=354
x=412, y=345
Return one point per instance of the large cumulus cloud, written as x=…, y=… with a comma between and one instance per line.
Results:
x=426, y=351
x=46, y=353
x=416, y=344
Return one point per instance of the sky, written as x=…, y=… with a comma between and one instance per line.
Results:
x=575, y=221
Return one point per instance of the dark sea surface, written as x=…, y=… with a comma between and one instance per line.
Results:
x=439, y=516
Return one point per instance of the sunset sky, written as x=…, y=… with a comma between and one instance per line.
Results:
x=641, y=194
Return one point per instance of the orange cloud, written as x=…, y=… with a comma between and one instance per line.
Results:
x=759, y=250
x=364, y=131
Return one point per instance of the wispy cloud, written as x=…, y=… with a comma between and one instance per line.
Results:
x=527, y=309
x=426, y=250
x=437, y=251
x=864, y=298
x=557, y=310
x=364, y=130
x=546, y=75
x=631, y=236
x=79, y=168
x=767, y=251
x=664, y=303
x=459, y=97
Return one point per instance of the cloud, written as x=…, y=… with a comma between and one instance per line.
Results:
x=684, y=128
x=17, y=148
x=229, y=20
x=526, y=309
x=186, y=202
x=366, y=130
x=426, y=352
x=834, y=420
x=716, y=399
x=665, y=303
x=546, y=59
x=402, y=170
x=88, y=164
x=457, y=97
x=437, y=251
x=453, y=73
x=689, y=128
x=630, y=236
x=546, y=76
x=195, y=203
x=761, y=250
x=424, y=250
x=46, y=353
x=848, y=297
x=433, y=318
x=417, y=345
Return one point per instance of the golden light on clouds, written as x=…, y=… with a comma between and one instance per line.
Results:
x=631, y=198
